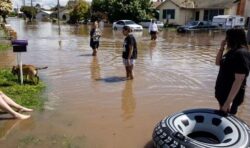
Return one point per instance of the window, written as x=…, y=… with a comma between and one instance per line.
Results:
x=209, y=14
x=168, y=14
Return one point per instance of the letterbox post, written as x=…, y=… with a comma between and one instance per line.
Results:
x=19, y=46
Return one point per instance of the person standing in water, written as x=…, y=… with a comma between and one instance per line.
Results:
x=153, y=30
x=95, y=35
x=6, y=103
x=233, y=71
x=129, y=53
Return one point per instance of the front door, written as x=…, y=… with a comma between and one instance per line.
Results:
x=197, y=15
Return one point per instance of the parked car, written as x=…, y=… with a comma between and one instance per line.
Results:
x=133, y=26
x=196, y=25
x=146, y=23
x=87, y=21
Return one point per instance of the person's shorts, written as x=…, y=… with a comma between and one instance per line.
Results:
x=153, y=32
x=125, y=62
x=94, y=44
x=238, y=100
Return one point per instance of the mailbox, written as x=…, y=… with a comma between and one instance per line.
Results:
x=19, y=45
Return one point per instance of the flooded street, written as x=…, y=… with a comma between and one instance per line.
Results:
x=90, y=106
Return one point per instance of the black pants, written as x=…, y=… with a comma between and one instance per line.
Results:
x=238, y=100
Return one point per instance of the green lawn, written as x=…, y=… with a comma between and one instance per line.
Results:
x=4, y=46
x=28, y=95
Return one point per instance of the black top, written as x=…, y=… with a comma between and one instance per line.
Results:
x=95, y=35
x=128, y=41
x=234, y=61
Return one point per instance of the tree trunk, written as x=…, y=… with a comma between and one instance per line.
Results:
x=4, y=19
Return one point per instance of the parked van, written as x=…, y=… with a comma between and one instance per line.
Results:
x=228, y=21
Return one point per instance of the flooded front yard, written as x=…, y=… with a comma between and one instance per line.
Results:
x=90, y=106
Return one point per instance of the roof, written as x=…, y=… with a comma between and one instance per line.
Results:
x=199, y=4
x=47, y=12
x=156, y=4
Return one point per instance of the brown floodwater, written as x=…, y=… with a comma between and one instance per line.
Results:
x=89, y=105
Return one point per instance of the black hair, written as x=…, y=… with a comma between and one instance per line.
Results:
x=236, y=38
x=126, y=28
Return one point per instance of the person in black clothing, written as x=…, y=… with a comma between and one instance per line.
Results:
x=233, y=71
x=129, y=53
x=95, y=35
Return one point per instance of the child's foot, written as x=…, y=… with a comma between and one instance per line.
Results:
x=24, y=109
x=130, y=78
x=21, y=116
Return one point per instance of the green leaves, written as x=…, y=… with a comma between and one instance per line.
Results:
x=29, y=11
x=80, y=11
x=5, y=8
x=123, y=9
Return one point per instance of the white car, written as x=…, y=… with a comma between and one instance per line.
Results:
x=121, y=23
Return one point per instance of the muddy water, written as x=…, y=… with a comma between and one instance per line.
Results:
x=90, y=105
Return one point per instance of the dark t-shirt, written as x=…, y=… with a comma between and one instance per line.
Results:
x=234, y=61
x=128, y=41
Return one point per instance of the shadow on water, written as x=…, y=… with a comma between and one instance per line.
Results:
x=113, y=79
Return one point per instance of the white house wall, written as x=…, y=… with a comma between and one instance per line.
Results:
x=185, y=16
x=170, y=5
x=231, y=11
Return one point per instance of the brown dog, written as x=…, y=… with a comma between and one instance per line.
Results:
x=29, y=71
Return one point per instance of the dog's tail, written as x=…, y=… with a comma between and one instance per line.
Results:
x=39, y=68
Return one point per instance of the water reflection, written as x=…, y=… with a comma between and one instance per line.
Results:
x=6, y=127
x=152, y=47
x=128, y=101
x=95, y=69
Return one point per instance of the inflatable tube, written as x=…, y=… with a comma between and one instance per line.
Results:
x=201, y=128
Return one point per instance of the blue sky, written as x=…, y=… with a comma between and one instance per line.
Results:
x=43, y=3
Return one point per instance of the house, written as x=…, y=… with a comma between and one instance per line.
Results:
x=64, y=14
x=179, y=12
x=43, y=15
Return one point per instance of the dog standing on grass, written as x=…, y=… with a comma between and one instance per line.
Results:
x=29, y=71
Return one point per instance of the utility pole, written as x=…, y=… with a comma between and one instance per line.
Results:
x=58, y=17
x=31, y=4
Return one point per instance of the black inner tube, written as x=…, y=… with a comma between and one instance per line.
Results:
x=205, y=137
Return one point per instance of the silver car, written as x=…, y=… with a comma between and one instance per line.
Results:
x=121, y=23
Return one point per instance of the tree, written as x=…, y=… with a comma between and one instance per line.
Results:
x=5, y=8
x=80, y=12
x=29, y=11
x=124, y=9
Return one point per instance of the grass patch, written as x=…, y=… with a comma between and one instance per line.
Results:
x=28, y=95
x=4, y=46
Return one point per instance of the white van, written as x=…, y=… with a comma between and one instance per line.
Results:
x=228, y=21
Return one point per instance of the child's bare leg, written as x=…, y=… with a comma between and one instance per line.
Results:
x=131, y=71
x=11, y=103
x=94, y=52
x=15, y=114
x=127, y=71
